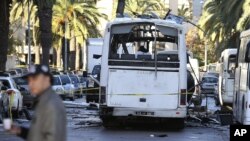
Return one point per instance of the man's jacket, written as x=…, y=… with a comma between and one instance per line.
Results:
x=49, y=121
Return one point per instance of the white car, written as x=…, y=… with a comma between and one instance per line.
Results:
x=209, y=83
x=15, y=96
x=68, y=87
x=57, y=86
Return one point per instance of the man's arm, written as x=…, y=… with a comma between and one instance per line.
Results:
x=19, y=131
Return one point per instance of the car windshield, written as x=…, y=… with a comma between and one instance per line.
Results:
x=12, y=72
x=19, y=70
x=5, y=83
x=74, y=79
x=56, y=81
x=96, y=70
x=65, y=79
x=209, y=80
x=20, y=81
x=81, y=79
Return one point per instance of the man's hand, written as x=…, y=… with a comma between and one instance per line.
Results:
x=15, y=129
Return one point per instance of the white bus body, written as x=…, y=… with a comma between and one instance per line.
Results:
x=151, y=84
x=193, y=67
x=226, y=64
x=241, y=101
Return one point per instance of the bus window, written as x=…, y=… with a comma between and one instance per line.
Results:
x=143, y=42
x=231, y=65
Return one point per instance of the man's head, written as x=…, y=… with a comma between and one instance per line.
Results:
x=39, y=79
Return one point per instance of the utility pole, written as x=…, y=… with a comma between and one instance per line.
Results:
x=205, y=56
x=29, y=47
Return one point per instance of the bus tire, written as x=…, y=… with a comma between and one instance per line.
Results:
x=179, y=124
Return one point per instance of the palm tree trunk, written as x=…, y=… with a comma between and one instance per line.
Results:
x=58, y=57
x=45, y=17
x=37, y=55
x=84, y=50
x=4, y=32
x=77, y=61
x=72, y=49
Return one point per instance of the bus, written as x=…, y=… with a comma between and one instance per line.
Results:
x=226, y=70
x=241, y=100
x=142, y=77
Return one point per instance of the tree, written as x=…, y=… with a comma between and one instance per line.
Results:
x=184, y=12
x=19, y=13
x=4, y=31
x=78, y=21
x=45, y=24
x=219, y=20
x=133, y=7
x=244, y=21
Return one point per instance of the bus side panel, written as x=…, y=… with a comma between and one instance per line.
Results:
x=141, y=89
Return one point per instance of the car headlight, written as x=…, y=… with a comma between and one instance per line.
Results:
x=59, y=90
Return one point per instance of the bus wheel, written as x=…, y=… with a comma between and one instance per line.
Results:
x=110, y=123
x=179, y=124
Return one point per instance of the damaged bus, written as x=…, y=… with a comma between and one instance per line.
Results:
x=142, y=76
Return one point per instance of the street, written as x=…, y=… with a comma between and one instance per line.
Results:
x=84, y=125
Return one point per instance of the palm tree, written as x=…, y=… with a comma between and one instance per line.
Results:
x=4, y=31
x=78, y=21
x=133, y=7
x=244, y=21
x=45, y=26
x=19, y=13
x=184, y=12
x=219, y=22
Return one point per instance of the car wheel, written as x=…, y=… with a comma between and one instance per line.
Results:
x=72, y=98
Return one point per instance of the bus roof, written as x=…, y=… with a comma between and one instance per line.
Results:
x=168, y=23
x=245, y=33
x=229, y=51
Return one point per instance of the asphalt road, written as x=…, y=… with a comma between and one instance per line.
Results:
x=84, y=125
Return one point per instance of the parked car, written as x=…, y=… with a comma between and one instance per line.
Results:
x=82, y=83
x=212, y=73
x=75, y=81
x=22, y=84
x=92, y=93
x=15, y=96
x=68, y=87
x=58, y=87
x=12, y=73
x=16, y=71
x=209, y=83
x=4, y=102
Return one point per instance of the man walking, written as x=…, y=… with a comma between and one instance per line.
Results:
x=49, y=121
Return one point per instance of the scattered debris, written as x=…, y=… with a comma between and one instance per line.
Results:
x=159, y=135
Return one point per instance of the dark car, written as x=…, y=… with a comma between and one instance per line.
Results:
x=22, y=84
x=92, y=93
